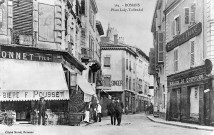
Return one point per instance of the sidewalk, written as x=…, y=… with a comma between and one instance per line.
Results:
x=180, y=124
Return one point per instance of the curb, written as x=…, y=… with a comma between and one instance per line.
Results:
x=184, y=126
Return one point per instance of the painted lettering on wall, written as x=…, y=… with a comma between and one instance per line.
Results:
x=32, y=95
x=22, y=55
x=116, y=83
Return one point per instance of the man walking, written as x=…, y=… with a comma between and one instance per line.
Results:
x=111, y=111
x=42, y=108
x=99, y=112
x=118, y=111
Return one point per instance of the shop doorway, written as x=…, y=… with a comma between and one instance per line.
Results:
x=194, y=103
x=175, y=106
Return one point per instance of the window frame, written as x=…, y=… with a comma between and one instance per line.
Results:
x=107, y=76
x=104, y=61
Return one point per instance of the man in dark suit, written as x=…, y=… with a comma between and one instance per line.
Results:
x=111, y=111
x=42, y=108
x=118, y=110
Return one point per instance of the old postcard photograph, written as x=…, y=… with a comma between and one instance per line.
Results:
x=110, y=67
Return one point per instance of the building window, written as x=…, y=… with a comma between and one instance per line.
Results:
x=106, y=61
x=192, y=53
x=127, y=82
x=176, y=60
x=176, y=26
x=130, y=84
x=130, y=66
x=127, y=64
x=133, y=84
x=107, y=81
x=186, y=18
x=91, y=17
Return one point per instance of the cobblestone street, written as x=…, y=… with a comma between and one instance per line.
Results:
x=137, y=124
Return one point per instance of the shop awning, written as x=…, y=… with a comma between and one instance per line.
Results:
x=30, y=80
x=85, y=87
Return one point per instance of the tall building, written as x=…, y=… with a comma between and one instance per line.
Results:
x=158, y=60
x=188, y=60
x=41, y=54
x=125, y=72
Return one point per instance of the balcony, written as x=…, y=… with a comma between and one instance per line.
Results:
x=23, y=38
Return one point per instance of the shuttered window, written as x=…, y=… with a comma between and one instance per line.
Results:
x=160, y=46
x=106, y=61
x=127, y=64
x=107, y=81
x=130, y=84
x=176, y=60
x=178, y=25
x=186, y=10
x=173, y=28
x=192, y=53
x=193, y=8
x=127, y=82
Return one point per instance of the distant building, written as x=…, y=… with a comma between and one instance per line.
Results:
x=125, y=72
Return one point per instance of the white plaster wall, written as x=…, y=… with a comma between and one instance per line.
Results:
x=184, y=49
x=115, y=69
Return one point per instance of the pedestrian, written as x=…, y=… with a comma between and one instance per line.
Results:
x=86, y=119
x=42, y=108
x=99, y=113
x=118, y=111
x=111, y=111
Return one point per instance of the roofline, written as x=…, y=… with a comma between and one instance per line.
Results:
x=118, y=47
x=173, y=4
x=153, y=20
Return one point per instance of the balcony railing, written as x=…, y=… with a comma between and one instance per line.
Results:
x=24, y=38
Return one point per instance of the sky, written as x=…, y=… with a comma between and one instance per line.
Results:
x=134, y=26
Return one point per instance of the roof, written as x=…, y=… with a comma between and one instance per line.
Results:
x=112, y=46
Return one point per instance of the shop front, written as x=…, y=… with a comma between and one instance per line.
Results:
x=27, y=75
x=190, y=95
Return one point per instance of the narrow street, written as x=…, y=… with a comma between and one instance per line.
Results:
x=136, y=124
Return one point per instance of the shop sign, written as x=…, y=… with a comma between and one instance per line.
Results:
x=116, y=83
x=184, y=37
x=191, y=75
x=12, y=53
x=32, y=95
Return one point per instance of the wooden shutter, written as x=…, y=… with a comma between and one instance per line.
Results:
x=193, y=8
x=178, y=25
x=192, y=53
x=186, y=13
x=160, y=47
x=176, y=60
x=173, y=28
x=152, y=61
x=23, y=16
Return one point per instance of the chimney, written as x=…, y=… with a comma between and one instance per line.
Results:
x=116, y=39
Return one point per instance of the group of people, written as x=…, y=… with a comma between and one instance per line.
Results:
x=115, y=110
x=96, y=113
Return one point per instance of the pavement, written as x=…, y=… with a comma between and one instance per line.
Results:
x=180, y=124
